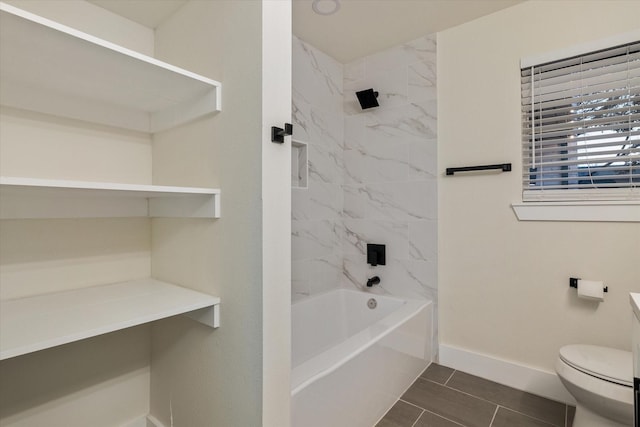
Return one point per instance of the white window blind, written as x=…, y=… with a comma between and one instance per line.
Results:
x=581, y=127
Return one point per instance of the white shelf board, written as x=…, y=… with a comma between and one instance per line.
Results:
x=54, y=69
x=44, y=321
x=50, y=198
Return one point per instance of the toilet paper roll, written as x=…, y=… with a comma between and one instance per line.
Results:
x=591, y=289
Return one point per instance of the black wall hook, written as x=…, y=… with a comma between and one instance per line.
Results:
x=278, y=134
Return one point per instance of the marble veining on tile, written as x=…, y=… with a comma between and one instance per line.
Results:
x=325, y=164
x=318, y=79
x=422, y=82
x=372, y=173
x=358, y=233
x=421, y=248
x=403, y=201
x=414, y=122
x=390, y=171
x=316, y=126
x=311, y=239
x=423, y=160
x=422, y=49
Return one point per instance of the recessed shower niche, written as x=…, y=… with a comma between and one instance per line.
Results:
x=299, y=165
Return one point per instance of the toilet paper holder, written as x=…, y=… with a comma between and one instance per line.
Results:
x=573, y=283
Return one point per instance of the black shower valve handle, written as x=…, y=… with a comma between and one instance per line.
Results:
x=376, y=254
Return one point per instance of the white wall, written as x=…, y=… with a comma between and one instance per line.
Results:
x=102, y=381
x=194, y=370
x=236, y=375
x=503, y=284
x=276, y=220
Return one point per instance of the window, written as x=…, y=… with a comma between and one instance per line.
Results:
x=581, y=127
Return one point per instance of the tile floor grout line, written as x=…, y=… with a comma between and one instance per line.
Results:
x=463, y=392
x=529, y=416
x=443, y=417
x=412, y=404
x=494, y=415
x=489, y=401
x=532, y=417
x=417, y=419
x=450, y=376
x=455, y=370
x=426, y=410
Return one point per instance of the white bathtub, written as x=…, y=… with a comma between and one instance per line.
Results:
x=351, y=363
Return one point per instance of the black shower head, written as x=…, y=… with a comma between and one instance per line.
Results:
x=367, y=98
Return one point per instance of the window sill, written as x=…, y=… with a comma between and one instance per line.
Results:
x=578, y=211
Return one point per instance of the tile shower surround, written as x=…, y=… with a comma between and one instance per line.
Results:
x=442, y=397
x=317, y=229
x=372, y=173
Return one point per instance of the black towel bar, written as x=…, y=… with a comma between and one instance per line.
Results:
x=505, y=167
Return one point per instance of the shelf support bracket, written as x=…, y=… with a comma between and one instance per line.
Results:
x=209, y=316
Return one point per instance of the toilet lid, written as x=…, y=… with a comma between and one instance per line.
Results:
x=606, y=363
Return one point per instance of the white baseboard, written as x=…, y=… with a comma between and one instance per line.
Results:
x=153, y=422
x=521, y=377
x=138, y=422
x=145, y=421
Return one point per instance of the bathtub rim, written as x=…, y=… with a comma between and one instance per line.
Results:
x=315, y=368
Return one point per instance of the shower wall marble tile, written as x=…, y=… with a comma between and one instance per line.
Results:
x=317, y=228
x=390, y=152
x=372, y=173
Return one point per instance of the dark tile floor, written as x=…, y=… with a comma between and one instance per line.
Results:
x=443, y=397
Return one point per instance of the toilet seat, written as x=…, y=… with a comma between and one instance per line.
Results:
x=599, y=378
x=604, y=363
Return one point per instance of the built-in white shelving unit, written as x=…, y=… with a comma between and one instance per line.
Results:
x=54, y=69
x=44, y=321
x=48, y=198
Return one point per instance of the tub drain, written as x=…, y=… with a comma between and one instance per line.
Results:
x=372, y=303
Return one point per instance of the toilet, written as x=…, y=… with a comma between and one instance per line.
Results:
x=601, y=380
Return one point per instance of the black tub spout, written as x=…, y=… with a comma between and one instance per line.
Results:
x=373, y=281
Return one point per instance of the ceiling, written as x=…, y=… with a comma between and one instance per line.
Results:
x=362, y=27
x=149, y=13
x=359, y=28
